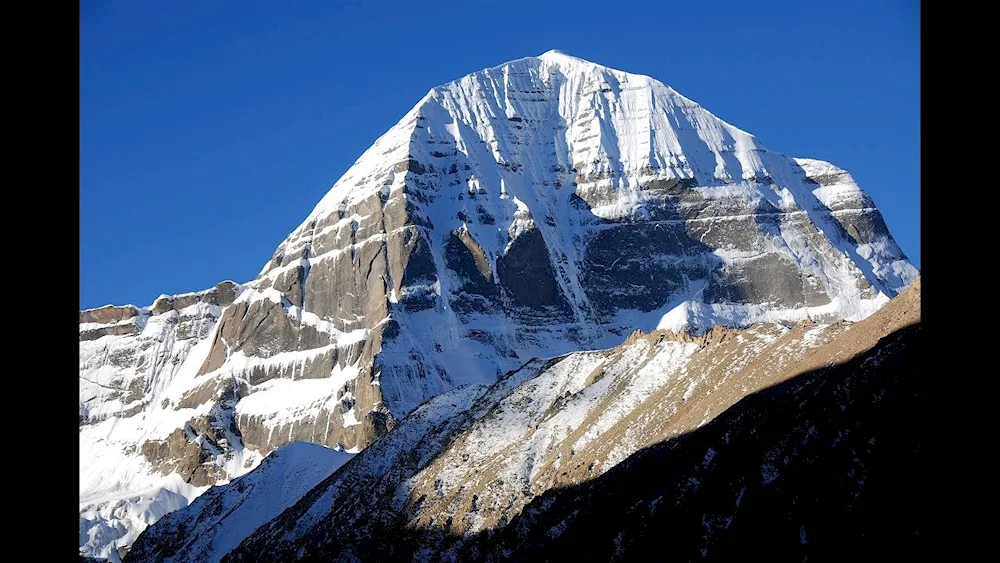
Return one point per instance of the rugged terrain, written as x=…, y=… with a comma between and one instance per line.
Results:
x=142, y=455
x=612, y=454
x=531, y=210
x=218, y=519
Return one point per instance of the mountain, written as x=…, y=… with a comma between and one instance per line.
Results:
x=217, y=520
x=142, y=456
x=539, y=208
x=793, y=442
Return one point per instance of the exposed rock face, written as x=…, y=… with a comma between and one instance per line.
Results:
x=612, y=454
x=109, y=314
x=533, y=209
x=125, y=352
x=132, y=432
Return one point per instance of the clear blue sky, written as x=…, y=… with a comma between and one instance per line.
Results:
x=209, y=130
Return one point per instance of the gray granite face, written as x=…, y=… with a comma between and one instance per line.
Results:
x=640, y=266
x=439, y=273
x=108, y=314
x=477, y=290
x=377, y=264
x=528, y=278
x=129, y=329
x=342, y=269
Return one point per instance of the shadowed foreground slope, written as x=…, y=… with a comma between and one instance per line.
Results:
x=821, y=466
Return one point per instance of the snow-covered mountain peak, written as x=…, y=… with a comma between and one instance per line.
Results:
x=571, y=163
x=533, y=209
x=554, y=191
x=557, y=57
x=601, y=122
x=552, y=54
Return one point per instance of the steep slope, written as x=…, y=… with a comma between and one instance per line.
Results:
x=127, y=354
x=130, y=358
x=540, y=207
x=537, y=208
x=218, y=520
x=422, y=436
x=578, y=423
x=153, y=437
x=823, y=467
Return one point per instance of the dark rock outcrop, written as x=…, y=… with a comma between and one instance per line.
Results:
x=108, y=314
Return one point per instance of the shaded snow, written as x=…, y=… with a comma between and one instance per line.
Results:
x=227, y=514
